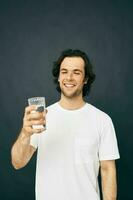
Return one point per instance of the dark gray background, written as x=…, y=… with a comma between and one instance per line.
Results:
x=32, y=35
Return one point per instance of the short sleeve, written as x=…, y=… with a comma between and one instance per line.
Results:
x=34, y=140
x=108, y=148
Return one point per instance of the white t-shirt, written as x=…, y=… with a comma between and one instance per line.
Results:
x=69, y=152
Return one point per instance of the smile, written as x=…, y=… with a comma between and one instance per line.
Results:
x=69, y=85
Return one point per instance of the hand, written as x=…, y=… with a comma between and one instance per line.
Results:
x=32, y=117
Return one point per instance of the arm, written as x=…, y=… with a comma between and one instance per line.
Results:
x=22, y=151
x=108, y=178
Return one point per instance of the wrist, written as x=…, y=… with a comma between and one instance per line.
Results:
x=25, y=133
x=25, y=137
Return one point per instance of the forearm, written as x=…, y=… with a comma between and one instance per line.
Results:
x=21, y=151
x=109, y=185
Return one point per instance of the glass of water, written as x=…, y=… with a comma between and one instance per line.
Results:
x=41, y=105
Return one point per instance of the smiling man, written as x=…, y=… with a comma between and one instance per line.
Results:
x=78, y=141
x=71, y=77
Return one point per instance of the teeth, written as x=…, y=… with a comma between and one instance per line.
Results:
x=69, y=85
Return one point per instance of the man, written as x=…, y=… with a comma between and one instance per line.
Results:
x=78, y=140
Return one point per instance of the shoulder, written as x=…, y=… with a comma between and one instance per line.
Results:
x=98, y=113
x=102, y=120
x=52, y=107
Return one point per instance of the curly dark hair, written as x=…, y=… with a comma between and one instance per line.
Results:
x=89, y=74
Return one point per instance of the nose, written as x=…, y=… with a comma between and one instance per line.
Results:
x=69, y=76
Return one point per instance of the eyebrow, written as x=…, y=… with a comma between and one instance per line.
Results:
x=63, y=69
x=75, y=70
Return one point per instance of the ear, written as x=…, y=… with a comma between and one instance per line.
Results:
x=59, y=78
x=85, y=81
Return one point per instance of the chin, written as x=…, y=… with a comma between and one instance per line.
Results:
x=71, y=95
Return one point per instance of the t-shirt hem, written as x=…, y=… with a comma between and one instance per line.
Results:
x=109, y=158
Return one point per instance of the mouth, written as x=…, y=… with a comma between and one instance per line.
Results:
x=68, y=85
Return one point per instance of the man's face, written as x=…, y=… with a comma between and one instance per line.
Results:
x=72, y=76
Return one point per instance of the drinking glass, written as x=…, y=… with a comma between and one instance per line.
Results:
x=41, y=105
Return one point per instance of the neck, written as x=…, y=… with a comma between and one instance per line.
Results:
x=71, y=103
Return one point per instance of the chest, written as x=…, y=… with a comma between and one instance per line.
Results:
x=71, y=133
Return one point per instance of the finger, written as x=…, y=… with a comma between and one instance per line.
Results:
x=31, y=130
x=38, y=130
x=36, y=122
x=35, y=115
x=30, y=108
x=41, y=121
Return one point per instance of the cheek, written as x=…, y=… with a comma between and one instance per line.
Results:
x=80, y=80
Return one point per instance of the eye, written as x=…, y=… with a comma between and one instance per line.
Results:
x=77, y=72
x=63, y=72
